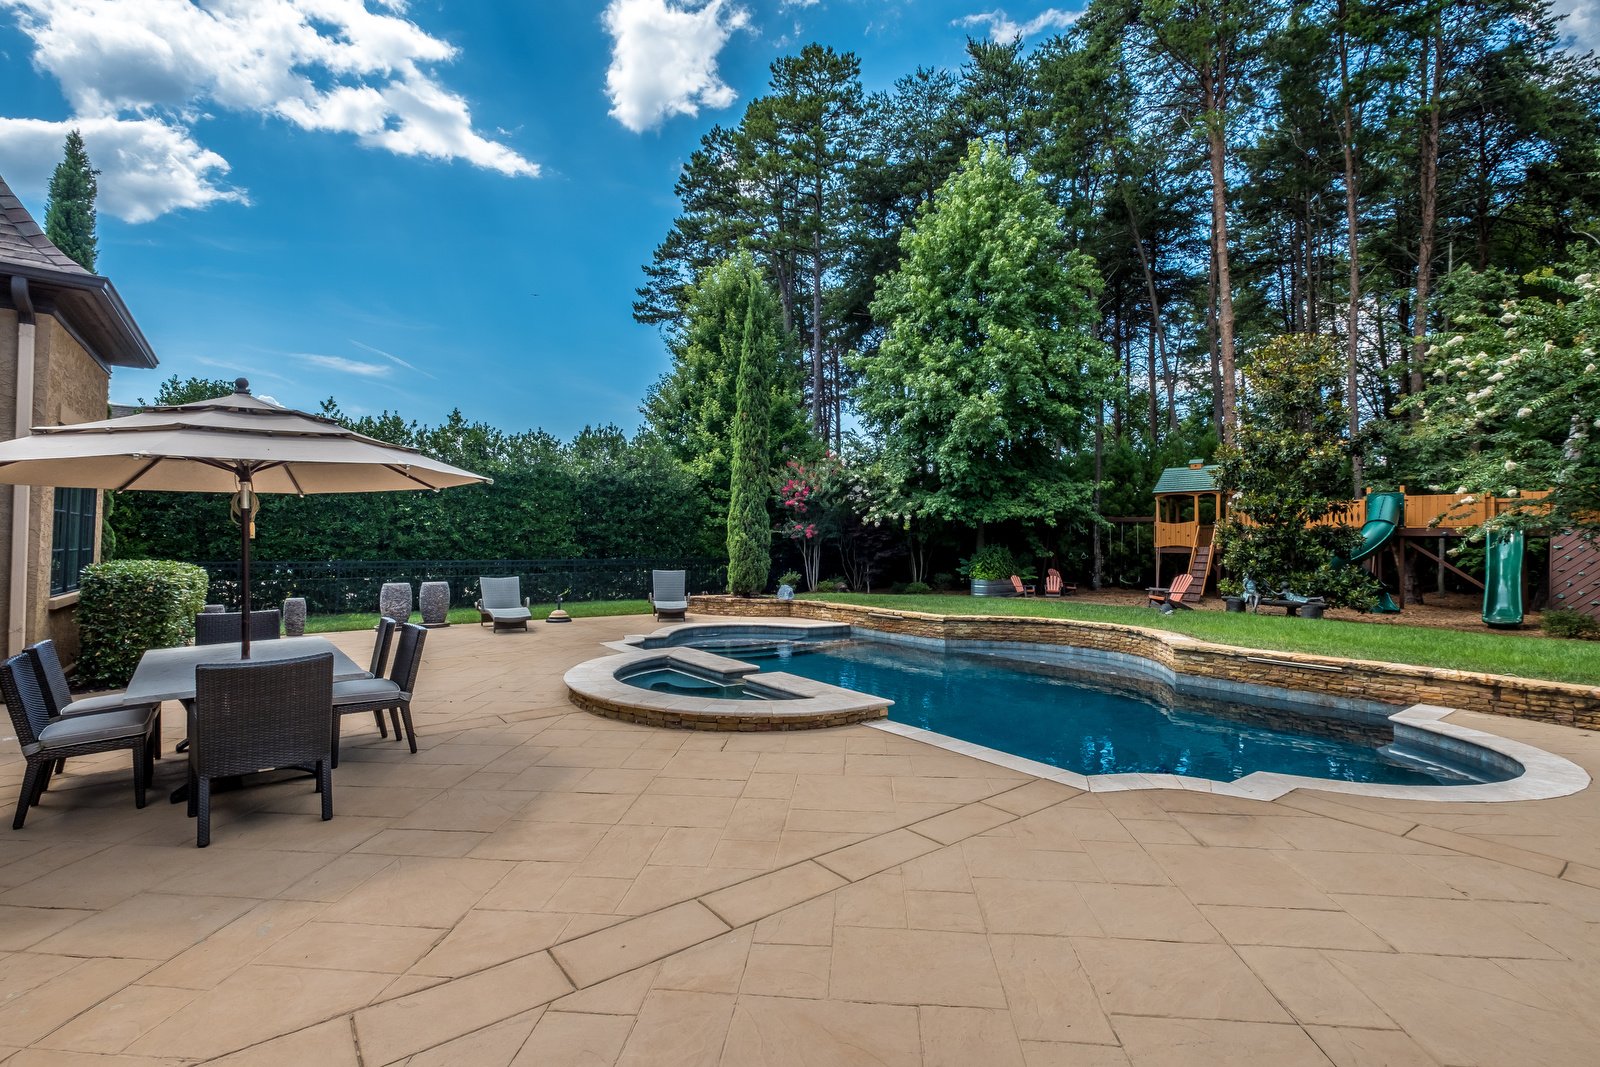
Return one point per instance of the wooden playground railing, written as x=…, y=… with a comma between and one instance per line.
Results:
x=1423, y=511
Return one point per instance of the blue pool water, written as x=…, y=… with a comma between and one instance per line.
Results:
x=1095, y=723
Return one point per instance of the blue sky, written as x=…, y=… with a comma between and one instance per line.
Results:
x=411, y=206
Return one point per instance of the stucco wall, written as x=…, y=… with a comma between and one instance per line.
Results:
x=69, y=386
x=8, y=407
x=73, y=388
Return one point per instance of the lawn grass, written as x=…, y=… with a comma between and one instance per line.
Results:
x=326, y=624
x=1493, y=653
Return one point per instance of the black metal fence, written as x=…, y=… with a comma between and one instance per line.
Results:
x=337, y=586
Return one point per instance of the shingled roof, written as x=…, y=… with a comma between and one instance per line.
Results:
x=87, y=304
x=24, y=244
x=1188, y=480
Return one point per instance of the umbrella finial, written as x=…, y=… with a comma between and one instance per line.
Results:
x=241, y=385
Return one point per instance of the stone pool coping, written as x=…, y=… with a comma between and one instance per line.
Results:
x=597, y=686
x=1543, y=776
x=1404, y=685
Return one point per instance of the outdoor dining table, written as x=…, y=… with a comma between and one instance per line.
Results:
x=168, y=673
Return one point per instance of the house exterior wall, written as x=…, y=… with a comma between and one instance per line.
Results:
x=69, y=386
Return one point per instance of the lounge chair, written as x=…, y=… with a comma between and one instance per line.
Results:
x=667, y=594
x=1054, y=586
x=1022, y=590
x=502, y=604
x=1167, y=599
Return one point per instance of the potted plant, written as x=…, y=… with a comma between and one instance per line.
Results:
x=786, y=583
x=990, y=570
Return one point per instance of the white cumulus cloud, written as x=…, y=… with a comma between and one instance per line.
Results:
x=664, y=58
x=143, y=74
x=147, y=166
x=1582, y=23
x=1005, y=29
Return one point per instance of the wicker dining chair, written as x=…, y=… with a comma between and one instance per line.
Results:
x=222, y=627
x=250, y=717
x=44, y=739
x=380, y=663
x=58, y=698
x=391, y=694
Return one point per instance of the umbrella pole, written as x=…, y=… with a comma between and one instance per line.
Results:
x=245, y=500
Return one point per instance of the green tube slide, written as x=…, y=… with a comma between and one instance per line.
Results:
x=1385, y=512
x=1502, y=580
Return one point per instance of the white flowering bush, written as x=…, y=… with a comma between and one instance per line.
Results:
x=1513, y=396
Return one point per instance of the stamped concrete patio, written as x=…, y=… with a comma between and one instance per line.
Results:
x=542, y=886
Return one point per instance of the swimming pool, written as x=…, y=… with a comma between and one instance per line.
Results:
x=1047, y=708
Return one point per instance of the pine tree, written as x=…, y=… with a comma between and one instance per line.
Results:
x=749, y=528
x=69, y=218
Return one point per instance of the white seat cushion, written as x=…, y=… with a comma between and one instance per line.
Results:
x=672, y=605
x=509, y=614
x=82, y=729
x=365, y=691
x=96, y=704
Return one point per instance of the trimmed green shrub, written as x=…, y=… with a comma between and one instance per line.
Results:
x=916, y=589
x=944, y=580
x=1564, y=622
x=126, y=606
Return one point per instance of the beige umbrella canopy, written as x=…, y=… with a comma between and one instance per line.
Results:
x=237, y=444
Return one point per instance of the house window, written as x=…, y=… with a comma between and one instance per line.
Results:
x=72, y=538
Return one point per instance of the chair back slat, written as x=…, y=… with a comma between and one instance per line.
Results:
x=52, y=679
x=408, y=657
x=668, y=586
x=380, y=646
x=19, y=687
x=253, y=716
x=501, y=592
x=222, y=627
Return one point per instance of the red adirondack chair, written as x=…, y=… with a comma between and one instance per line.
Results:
x=1053, y=585
x=1167, y=599
x=1022, y=590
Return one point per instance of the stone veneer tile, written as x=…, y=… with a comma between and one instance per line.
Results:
x=609, y=952
x=771, y=893
x=398, y=1028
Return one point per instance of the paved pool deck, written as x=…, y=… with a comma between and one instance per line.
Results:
x=542, y=886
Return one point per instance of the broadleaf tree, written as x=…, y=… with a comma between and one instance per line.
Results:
x=989, y=367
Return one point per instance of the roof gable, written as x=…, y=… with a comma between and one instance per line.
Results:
x=24, y=244
x=1188, y=480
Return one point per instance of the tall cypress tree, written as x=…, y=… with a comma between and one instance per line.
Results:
x=749, y=527
x=70, y=217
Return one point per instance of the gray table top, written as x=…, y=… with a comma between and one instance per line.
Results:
x=168, y=673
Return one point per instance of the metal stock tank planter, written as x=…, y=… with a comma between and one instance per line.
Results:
x=991, y=587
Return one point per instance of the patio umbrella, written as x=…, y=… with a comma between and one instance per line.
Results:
x=237, y=444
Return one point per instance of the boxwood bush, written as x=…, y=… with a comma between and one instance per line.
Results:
x=1564, y=622
x=126, y=606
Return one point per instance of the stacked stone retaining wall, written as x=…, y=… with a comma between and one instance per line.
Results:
x=1392, y=683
